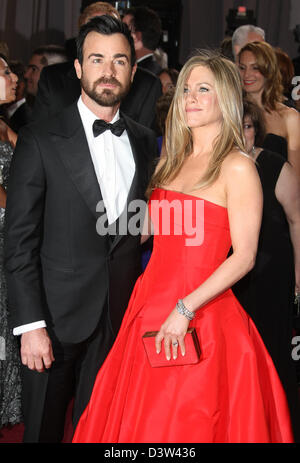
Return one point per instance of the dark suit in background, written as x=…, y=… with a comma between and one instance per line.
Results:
x=58, y=268
x=150, y=64
x=60, y=87
x=20, y=117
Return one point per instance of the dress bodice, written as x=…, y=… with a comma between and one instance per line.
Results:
x=277, y=144
x=191, y=239
x=197, y=229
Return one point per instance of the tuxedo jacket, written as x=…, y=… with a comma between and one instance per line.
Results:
x=150, y=64
x=21, y=117
x=60, y=87
x=59, y=269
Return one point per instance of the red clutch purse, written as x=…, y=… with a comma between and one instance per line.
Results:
x=192, y=350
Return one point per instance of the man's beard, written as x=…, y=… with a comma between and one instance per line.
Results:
x=107, y=97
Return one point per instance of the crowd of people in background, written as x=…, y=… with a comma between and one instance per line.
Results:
x=48, y=83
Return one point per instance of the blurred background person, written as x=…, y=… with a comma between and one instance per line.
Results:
x=41, y=57
x=145, y=26
x=267, y=291
x=243, y=35
x=10, y=382
x=226, y=48
x=262, y=83
x=4, y=50
x=18, y=113
x=287, y=72
x=168, y=78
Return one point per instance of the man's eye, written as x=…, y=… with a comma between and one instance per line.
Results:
x=120, y=62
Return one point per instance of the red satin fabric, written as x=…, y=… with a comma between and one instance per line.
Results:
x=233, y=395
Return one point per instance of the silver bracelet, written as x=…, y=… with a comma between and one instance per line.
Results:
x=181, y=308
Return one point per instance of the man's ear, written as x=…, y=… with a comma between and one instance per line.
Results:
x=133, y=72
x=78, y=69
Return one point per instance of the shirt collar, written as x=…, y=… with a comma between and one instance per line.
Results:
x=88, y=117
x=144, y=57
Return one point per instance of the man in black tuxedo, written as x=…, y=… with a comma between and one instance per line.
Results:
x=69, y=285
x=58, y=85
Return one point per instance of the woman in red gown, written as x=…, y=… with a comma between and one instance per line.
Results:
x=205, y=197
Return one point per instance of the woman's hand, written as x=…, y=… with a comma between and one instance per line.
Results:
x=172, y=333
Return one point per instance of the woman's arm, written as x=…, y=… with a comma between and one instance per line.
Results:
x=244, y=204
x=287, y=192
x=7, y=134
x=293, y=138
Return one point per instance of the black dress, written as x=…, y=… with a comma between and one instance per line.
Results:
x=276, y=144
x=10, y=364
x=267, y=292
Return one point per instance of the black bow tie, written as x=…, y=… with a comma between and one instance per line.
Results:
x=101, y=126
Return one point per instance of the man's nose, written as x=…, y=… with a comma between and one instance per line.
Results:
x=108, y=68
x=27, y=73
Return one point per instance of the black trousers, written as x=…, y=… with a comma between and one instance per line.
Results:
x=46, y=396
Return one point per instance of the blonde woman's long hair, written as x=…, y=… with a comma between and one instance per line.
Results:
x=178, y=136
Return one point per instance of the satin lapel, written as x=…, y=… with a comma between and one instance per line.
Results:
x=73, y=149
x=140, y=172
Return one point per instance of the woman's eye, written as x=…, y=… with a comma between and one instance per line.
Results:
x=203, y=89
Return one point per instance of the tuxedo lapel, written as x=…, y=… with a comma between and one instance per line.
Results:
x=140, y=172
x=70, y=139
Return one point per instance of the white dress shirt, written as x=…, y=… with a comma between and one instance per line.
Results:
x=13, y=107
x=114, y=167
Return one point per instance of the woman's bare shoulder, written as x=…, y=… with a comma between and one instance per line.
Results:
x=237, y=161
x=288, y=113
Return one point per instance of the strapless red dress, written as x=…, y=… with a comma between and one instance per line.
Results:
x=232, y=395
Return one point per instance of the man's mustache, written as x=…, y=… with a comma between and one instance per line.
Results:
x=108, y=80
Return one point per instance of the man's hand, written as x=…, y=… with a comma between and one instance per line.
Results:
x=36, y=350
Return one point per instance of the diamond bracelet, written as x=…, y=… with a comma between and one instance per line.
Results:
x=181, y=308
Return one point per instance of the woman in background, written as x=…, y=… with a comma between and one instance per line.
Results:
x=10, y=383
x=267, y=292
x=262, y=83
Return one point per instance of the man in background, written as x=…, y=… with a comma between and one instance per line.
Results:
x=145, y=27
x=245, y=34
x=41, y=57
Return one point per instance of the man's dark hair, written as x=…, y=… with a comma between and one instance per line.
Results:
x=51, y=54
x=148, y=23
x=106, y=25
